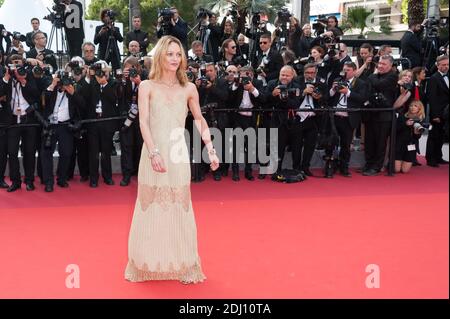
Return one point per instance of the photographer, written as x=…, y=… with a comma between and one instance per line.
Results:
x=227, y=26
x=410, y=43
x=306, y=40
x=199, y=56
x=246, y=93
x=342, y=58
x=61, y=108
x=347, y=93
x=406, y=89
x=134, y=49
x=244, y=47
x=40, y=53
x=73, y=26
x=437, y=92
x=229, y=55
x=130, y=134
x=89, y=58
x=103, y=105
x=364, y=62
x=138, y=35
x=378, y=124
x=35, y=24
x=409, y=131
x=215, y=90
x=284, y=93
x=107, y=36
x=270, y=62
x=80, y=154
x=170, y=23
x=4, y=122
x=4, y=35
x=21, y=92
x=16, y=46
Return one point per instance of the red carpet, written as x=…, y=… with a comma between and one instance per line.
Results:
x=256, y=239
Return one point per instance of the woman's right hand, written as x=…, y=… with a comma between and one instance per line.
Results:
x=158, y=164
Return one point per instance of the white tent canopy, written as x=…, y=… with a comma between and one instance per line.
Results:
x=16, y=15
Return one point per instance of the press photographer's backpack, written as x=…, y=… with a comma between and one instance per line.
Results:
x=290, y=176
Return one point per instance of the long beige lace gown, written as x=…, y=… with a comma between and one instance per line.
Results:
x=163, y=237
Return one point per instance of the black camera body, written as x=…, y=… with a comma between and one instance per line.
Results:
x=66, y=78
x=256, y=19
x=57, y=16
x=408, y=86
x=133, y=73
x=316, y=87
x=21, y=70
x=111, y=14
x=75, y=67
x=320, y=24
x=420, y=126
x=191, y=76
x=98, y=69
x=203, y=14
x=378, y=100
x=286, y=93
x=166, y=13
x=342, y=84
x=41, y=71
x=284, y=16
x=204, y=81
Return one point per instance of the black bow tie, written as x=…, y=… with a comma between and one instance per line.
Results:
x=445, y=75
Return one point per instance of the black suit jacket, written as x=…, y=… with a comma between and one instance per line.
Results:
x=75, y=104
x=179, y=31
x=102, y=40
x=218, y=93
x=274, y=66
x=108, y=97
x=437, y=96
x=411, y=48
x=337, y=68
x=280, y=118
x=29, y=41
x=386, y=84
x=236, y=96
x=358, y=96
x=7, y=40
x=50, y=57
x=139, y=36
x=205, y=58
x=30, y=93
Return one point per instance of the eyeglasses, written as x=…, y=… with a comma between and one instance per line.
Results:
x=263, y=42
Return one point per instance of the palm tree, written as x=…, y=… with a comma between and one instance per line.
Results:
x=416, y=11
x=357, y=19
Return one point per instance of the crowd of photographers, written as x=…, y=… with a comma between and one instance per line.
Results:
x=292, y=72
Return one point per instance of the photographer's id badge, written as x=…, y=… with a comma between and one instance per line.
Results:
x=54, y=119
x=411, y=147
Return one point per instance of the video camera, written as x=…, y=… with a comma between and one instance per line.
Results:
x=433, y=25
x=204, y=13
x=56, y=17
x=284, y=16
x=420, y=126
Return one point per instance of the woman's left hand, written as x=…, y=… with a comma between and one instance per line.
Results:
x=214, y=162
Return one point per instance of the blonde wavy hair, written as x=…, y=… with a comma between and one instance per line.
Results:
x=161, y=49
x=420, y=114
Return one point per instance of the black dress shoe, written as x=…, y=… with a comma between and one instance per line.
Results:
x=13, y=188
x=109, y=182
x=261, y=176
x=48, y=188
x=443, y=162
x=63, y=184
x=249, y=176
x=125, y=181
x=371, y=172
x=93, y=184
x=236, y=177
x=84, y=178
x=345, y=172
x=3, y=184
x=432, y=164
x=225, y=173
x=416, y=164
x=30, y=187
x=217, y=177
x=307, y=172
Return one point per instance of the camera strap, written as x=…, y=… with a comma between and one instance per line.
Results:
x=54, y=116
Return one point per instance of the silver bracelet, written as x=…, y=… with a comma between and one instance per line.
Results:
x=154, y=152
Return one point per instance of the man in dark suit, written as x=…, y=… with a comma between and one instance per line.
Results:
x=177, y=27
x=107, y=36
x=352, y=95
x=39, y=52
x=138, y=35
x=338, y=67
x=4, y=36
x=270, y=62
x=35, y=23
x=383, y=83
x=74, y=26
x=246, y=94
x=438, y=101
x=21, y=94
x=411, y=46
x=4, y=122
x=215, y=90
x=103, y=105
x=199, y=55
x=61, y=107
x=89, y=54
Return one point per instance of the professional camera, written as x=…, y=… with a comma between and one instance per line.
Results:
x=256, y=19
x=191, y=76
x=133, y=73
x=342, y=84
x=432, y=27
x=19, y=37
x=408, y=86
x=56, y=17
x=286, y=93
x=75, y=67
x=284, y=16
x=65, y=77
x=166, y=14
x=245, y=80
x=203, y=14
x=21, y=70
x=234, y=11
x=131, y=116
x=316, y=86
x=378, y=100
x=39, y=71
x=98, y=69
x=320, y=24
x=420, y=126
x=111, y=14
